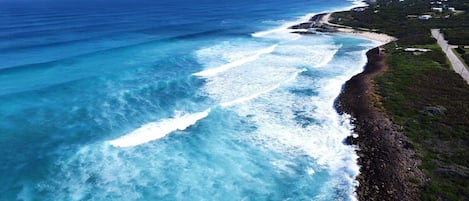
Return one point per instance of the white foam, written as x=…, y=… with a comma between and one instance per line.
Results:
x=300, y=53
x=284, y=166
x=273, y=110
x=223, y=68
x=282, y=31
x=255, y=95
x=156, y=130
x=276, y=113
x=327, y=58
x=95, y=172
x=355, y=3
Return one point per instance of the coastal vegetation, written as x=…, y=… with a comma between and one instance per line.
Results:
x=420, y=92
x=400, y=19
x=457, y=36
x=463, y=53
x=431, y=103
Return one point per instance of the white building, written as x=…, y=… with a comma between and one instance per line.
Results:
x=437, y=10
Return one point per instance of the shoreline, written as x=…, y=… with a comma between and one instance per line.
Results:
x=380, y=37
x=386, y=161
x=385, y=155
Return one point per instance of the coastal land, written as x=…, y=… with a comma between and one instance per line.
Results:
x=409, y=109
x=320, y=23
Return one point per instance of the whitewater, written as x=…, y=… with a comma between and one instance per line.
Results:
x=221, y=103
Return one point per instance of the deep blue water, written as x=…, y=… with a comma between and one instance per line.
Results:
x=173, y=100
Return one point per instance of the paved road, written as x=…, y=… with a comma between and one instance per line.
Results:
x=457, y=64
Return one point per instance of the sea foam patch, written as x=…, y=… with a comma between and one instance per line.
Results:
x=266, y=72
x=282, y=31
x=225, y=67
x=264, y=91
x=222, y=53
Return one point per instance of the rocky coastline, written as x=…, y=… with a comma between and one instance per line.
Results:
x=388, y=169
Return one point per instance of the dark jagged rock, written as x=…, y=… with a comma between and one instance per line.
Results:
x=326, y=29
x=304, y=32
x=305, y=25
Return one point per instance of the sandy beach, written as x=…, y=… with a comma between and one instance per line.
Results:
x=383, y=38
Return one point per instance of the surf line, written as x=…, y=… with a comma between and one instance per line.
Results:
x=214, y=71
x=159, y=129
x=156, y=130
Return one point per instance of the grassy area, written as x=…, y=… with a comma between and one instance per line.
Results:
x=421, y=93
x=463, y=54
x=431, y=104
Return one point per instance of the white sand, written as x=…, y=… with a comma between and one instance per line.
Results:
x=383, y=38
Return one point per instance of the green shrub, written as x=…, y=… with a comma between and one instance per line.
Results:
x=466, y=58
x=460, y=50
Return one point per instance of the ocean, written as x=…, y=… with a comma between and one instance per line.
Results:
x=173, y=100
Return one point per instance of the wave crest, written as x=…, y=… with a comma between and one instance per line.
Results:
x=156, y=130
x=223, y=68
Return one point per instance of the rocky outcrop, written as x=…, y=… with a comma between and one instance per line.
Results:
x=315, y=24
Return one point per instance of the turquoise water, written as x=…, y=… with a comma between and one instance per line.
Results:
x=173, y=100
